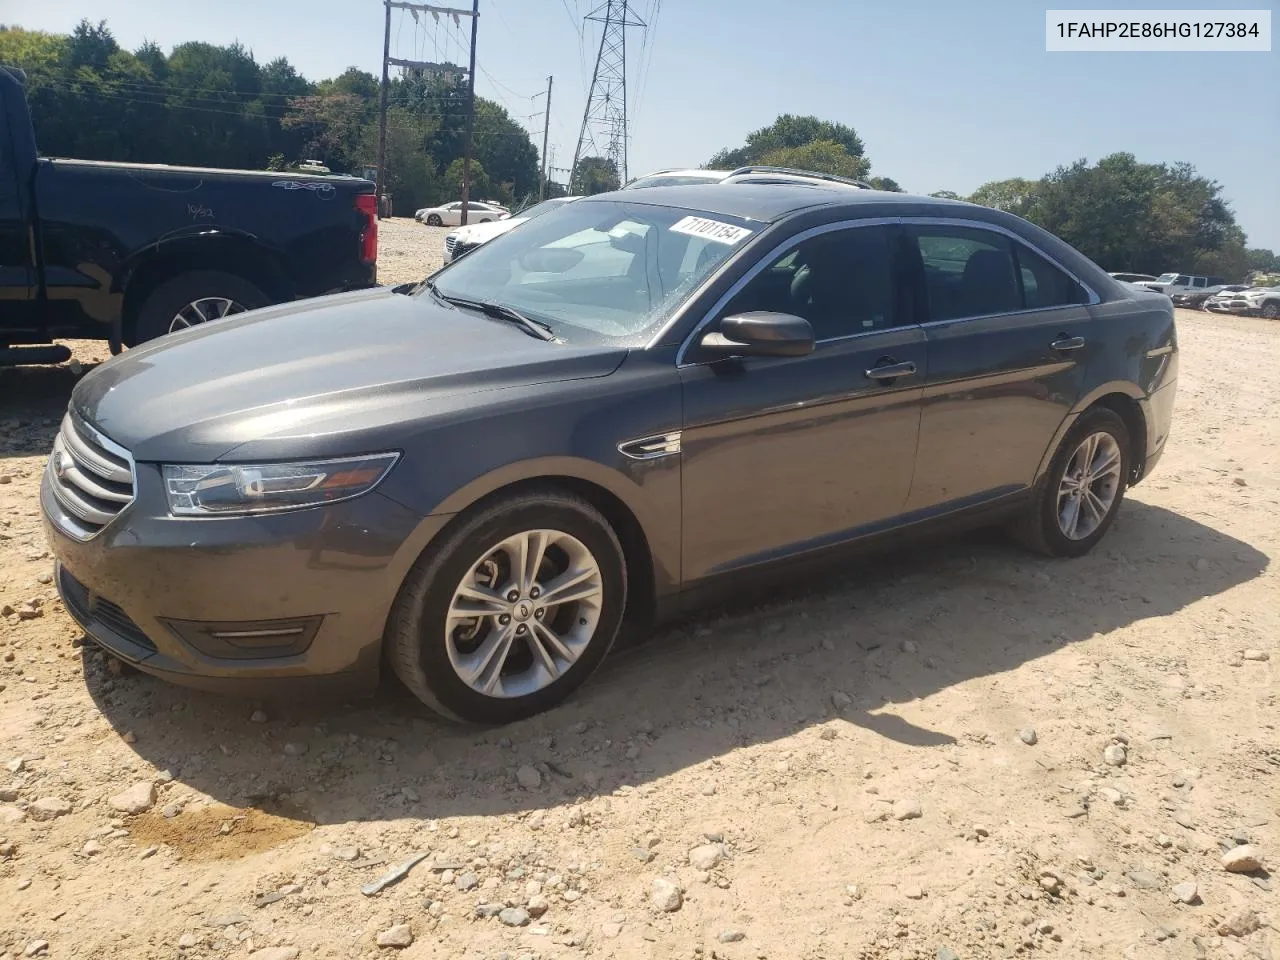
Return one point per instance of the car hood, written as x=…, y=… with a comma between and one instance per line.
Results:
x=484, y=232
x=322, y=377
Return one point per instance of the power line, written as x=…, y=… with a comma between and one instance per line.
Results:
x=605, y=116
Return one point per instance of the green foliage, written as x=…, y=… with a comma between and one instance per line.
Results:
x=885, y=183
x=1262, y=259
x=595, y=175
x=1016, y=195
x=481, y=188
x=824, y=156
x=790, y=132
x=1127, y=215
x=216, y=106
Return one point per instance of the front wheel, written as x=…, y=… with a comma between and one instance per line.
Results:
x=433, y=220
x=512, y=611
x=1083, y=489
x=1270, y=311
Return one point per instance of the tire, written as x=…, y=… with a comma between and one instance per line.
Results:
x=159, y=310
x=422, y=649
x=433, y=220
x=1040, y=529
x=1270, y=311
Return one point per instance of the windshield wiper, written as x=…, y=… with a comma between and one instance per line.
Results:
x=499, y=311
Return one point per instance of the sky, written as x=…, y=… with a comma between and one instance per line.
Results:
x=945, y=95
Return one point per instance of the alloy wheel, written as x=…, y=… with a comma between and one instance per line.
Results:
x=204, y=310
x=524, y=613
x=1089, y=485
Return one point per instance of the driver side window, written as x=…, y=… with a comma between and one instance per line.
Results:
x=841, y=282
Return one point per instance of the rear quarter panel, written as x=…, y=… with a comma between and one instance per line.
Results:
x=100, y=223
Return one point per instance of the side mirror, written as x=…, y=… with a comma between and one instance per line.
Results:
x=760, y=334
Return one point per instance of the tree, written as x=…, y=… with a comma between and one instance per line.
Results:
x=885, y=183
x=480, y=185
x=595, y=175
x=823, y=156
x=1262, y=259
x=1016, y=195
x=789, y=132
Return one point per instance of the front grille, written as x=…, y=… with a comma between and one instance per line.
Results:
x=90, y=608
x=449, y=242
x=460, y=250
x=90, y=477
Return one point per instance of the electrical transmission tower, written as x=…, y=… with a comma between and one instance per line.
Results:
x=604, y=122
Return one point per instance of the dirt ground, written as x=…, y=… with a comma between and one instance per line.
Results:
x=833, y=772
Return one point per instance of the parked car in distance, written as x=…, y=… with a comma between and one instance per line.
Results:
x=1133, y=277
x=465, y=239
x=758, y=175
x=621, y=408
x=450, y=214
x=1174, y=283
x=1252, y=302
x=1198, y=299
x=127, y=252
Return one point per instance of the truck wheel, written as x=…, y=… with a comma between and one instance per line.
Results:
x=194, y=298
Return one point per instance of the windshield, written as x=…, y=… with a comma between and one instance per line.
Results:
x=538, y=209
x=1166, y=278
x=597, y=269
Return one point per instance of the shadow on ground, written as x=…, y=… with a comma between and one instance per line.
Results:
x=32, y=402
x=695, y=692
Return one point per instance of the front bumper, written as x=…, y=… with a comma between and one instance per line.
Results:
x=138, y=587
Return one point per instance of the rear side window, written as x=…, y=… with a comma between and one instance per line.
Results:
x=1043, y=284
x=967, y=272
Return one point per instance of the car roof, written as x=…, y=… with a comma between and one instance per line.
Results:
x=767, y=202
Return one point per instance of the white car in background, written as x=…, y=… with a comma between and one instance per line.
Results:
x=450, y=214
x=467, y=238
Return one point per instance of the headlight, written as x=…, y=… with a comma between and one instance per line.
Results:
x=224, y=489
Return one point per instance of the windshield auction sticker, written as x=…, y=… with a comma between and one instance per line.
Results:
x=712, y=230
x=1137, y=31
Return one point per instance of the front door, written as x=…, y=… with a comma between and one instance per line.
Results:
x=1009, y=342
x=782, y=455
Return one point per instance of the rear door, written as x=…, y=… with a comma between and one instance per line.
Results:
x=1009, y=342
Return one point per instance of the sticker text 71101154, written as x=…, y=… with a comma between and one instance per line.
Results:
x=712, y=230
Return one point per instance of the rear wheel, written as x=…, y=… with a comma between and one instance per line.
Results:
x=190, y=299
x=1083, y=489
x=512, y=611
x=1270, y=311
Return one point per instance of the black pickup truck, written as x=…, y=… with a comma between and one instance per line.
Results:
x=127, y=252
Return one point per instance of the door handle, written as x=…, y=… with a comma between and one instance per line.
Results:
x=891, y=371
x=1067, y=343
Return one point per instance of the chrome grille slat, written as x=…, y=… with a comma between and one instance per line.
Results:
x=102, y=462
x=90, y=477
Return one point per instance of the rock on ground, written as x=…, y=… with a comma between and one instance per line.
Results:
x=49, y=808
x=1239, y=924
x=397, y=936
x=136, y=799
x=665, y=895
x=1242, y=859
x=908, y=808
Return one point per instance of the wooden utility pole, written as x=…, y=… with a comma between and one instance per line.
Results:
x=546, y=129
x=382, y=113
x=471, y=114
x=424, y=66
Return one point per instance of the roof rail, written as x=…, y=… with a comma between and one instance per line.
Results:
x=805, y=174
